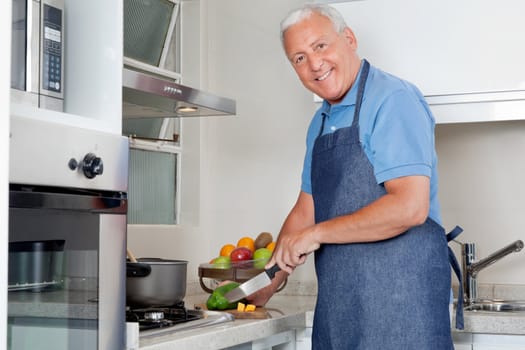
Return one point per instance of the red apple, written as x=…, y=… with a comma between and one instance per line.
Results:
x=240, y=254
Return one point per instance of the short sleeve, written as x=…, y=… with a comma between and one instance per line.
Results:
x=401, y=141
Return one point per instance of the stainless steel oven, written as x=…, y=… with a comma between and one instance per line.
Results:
x=37, y=53
x=67, y=235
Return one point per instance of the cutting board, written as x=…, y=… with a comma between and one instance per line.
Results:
x=259, y=313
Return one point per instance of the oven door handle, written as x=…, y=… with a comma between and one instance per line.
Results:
x=116, y=203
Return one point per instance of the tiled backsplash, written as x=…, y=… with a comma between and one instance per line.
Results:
x=485, y=291
x=293, y=287
x=498, y=291
x=502, y=291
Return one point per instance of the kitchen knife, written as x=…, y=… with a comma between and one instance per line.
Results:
x=253, y=285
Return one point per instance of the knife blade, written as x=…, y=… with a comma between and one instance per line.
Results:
x=253, y=284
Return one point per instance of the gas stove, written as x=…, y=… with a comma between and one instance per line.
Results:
x=159, y=320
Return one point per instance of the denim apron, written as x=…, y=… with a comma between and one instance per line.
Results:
x=391, y=294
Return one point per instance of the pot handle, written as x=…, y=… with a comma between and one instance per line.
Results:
x=137, y=270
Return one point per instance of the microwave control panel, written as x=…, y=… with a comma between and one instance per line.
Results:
x=52, y=50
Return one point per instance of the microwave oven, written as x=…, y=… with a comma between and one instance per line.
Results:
x=37, y=53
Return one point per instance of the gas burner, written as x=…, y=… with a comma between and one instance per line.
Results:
x=175, y=319
x=154, y=316
x=159, y=317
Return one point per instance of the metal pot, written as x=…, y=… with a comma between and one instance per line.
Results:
x=36, y=265
x=155, y=282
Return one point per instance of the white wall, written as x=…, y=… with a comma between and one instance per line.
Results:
x=482, y=172
x=254, y=160
x=250, y=164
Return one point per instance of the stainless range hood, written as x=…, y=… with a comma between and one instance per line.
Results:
x=147, y=96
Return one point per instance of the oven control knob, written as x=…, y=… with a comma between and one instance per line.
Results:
x=92, y=165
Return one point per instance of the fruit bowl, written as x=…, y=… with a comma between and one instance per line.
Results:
x=240, y=271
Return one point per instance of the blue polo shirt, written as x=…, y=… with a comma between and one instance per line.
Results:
x=396, y=130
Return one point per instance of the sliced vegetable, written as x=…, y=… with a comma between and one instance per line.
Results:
x=249, y=308
x=217, y=301
x=241, y=307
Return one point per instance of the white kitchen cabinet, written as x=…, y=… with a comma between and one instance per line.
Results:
x=479, y=341
x=303, y=339
x=466, y=57
x=280, y=341
x=462, y=341
x=496, y=347
x=94, y=46
x=462, y=346
x=498, y=342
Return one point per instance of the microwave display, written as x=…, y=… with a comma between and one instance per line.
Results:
x=52, y=49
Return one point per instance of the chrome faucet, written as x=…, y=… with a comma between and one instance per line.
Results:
x=471, y=267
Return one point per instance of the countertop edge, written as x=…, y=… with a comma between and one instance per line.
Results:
x=226, y=334
x=296, y=313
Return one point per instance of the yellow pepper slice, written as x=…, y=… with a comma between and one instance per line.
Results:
x=249, y=308
x=240, y=307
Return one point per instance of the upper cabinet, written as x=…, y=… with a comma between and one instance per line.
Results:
x=90, y=36
x=94, y=60
x=466, y=57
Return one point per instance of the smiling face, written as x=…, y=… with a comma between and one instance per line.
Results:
x=325, y=60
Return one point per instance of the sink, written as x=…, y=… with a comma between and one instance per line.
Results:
x=497, y=305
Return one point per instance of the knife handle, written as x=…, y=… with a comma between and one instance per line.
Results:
x=272, y=271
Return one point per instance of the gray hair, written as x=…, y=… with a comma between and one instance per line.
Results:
x=299, y=14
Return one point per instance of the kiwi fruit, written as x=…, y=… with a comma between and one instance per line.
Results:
x=263, y=239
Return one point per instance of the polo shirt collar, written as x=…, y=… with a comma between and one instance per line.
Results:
x=348, y=99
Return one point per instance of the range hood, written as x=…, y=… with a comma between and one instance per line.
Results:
x=148, y=96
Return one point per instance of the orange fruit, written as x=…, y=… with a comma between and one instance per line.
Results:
x=246, y=242
x=271, y=246
x=226, y=249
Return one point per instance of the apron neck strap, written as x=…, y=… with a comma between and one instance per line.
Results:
x=359, y=98
x=360, y=91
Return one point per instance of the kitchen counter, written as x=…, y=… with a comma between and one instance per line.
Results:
x=296, y=312
x=287, y=313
